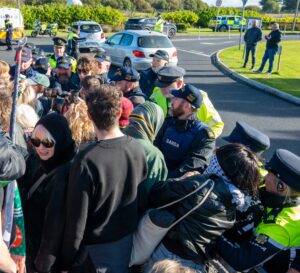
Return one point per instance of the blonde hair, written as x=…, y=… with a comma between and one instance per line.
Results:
x=5, y=109
x=28, y=96
x=170, y=266
x=4, y=67
x=80, y=124
x=26, y=116
x=47, y=134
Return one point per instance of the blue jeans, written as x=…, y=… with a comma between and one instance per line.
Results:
x=161, y=253
x=252, y=49
x=269, y=54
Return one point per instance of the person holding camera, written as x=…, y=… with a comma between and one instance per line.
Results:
x=273, y=40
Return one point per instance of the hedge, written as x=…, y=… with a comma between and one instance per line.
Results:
x=181, y=17
x=65, y=16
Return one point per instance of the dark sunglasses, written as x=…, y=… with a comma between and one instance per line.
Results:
x=280, y=186
x=79, y=71
x=37, y=142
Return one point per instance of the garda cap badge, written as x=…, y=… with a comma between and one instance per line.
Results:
x=128, y=77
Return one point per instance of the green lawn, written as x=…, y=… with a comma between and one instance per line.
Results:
x=286, y=79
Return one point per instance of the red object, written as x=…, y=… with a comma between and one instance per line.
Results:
x=138, y=54
x=18, y=55
x=127, y=108
x=174, y=53
x=102, y=35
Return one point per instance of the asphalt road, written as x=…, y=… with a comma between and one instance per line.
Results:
x=279, y=119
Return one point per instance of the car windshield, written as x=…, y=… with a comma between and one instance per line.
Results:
x=134, y=20
x=90, y=28
x=154, y=42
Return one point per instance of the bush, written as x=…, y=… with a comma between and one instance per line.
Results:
x=65, y=16
x=181, y=17
x=181, y=27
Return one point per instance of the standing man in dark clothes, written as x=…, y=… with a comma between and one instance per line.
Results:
x=186, y=142
x=127, y=79
x=252, y=37
x=102, y=208
x=273, y=40
x=9, y=31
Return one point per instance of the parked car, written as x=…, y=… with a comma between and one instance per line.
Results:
x=148, y=24
x=225, y=22
x=133, y=47
x=93, y=33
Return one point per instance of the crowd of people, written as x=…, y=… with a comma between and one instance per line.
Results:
x=95, y=152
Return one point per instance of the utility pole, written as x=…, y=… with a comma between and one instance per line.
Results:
x=218, y=4
x=296, y=14
x=242, y=25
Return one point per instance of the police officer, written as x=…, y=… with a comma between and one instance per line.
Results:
x=276, y=239
x=170, y=77
x=42, y=66
x=159, y=25
x=73, y=43
x=59, y=50
x=127, y=79
x=185, y=142
x=9, y=31
x=26, y=64
x=103, y=62
x=37, y=53
x=148, y=77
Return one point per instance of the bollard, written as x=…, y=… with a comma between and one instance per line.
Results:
x=229, y=36
x=244, y=52
x=199, y=33
x=279, y=57
x=284, y=33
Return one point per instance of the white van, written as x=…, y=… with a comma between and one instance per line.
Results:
x=17, y=22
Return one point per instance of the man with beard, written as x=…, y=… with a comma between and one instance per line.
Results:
x=26, y=62
x=103, y=62
x=276, y=242
x=149, y=76
x=64, y=79
x=186, y=142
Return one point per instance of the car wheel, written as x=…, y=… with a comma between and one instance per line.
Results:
x=171, y=33
x=223, y=28
x=52, y=34
x=127, y=62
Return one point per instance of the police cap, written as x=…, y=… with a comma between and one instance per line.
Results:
x=102, y=57
x=189, y=93
x=126, y=74
x=286, y=166
x=38, y=53
x=169, y=74
x=26, y=54
x=30, y=46
x=63, y=62
x=58, y=41
x=161, y=54
x=249, y=136
x=42, y=65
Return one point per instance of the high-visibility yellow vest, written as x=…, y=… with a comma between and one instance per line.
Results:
x=159, y=25
x=284, y=229
x=52, y=62
x=206, y=113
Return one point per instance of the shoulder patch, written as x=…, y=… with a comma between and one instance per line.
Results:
x=261, y=239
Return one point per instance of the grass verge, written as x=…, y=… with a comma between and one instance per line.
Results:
x=285, y=79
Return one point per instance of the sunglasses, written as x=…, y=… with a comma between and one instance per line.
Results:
x=37, y=142
x=280, y=185
x=79, y=71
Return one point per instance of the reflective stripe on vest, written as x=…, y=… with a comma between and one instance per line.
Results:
x=285, y=228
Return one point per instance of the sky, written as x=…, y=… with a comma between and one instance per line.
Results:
x=232, y=3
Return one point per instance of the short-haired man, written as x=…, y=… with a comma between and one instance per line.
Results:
x=101, y=206
x=275, y=241
x=169, y=78
x=88, y=85
x=127, y=79
x=252, y=36
x=103, y=62
x=186, y=142
x=148, y=77
x=273, y=39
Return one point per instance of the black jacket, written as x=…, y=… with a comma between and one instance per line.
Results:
x=198, y=232
x=275, y=38
x=136, y=96
x=253, y=36
x=12, y=163
x=44, y=214
x=147, y=81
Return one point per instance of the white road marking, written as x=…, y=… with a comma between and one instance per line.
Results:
x=194, y=52
x=207, y=43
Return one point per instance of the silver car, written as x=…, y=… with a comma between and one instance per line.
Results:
x=93, y=33
x=132, y=48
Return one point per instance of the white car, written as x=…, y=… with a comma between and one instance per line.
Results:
x=93, y=33
x=134, y=47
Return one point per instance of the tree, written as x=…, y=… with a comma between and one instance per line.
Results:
x=289, y=5
x=270, y=5
x=253, y=8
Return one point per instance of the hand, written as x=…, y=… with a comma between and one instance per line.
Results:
x=292, y=270
x=20, y=262
x=189, y=174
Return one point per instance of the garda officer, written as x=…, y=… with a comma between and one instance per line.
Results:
x=73, y=42
x=170, y=77
x=159, y=25
x=26, y=64
x=42, y=66
x=59, y=50
x=103, y=62
x=9, y=31
x=127, y=79
x=276, y=239
x=148, y=77
x=185, y=142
